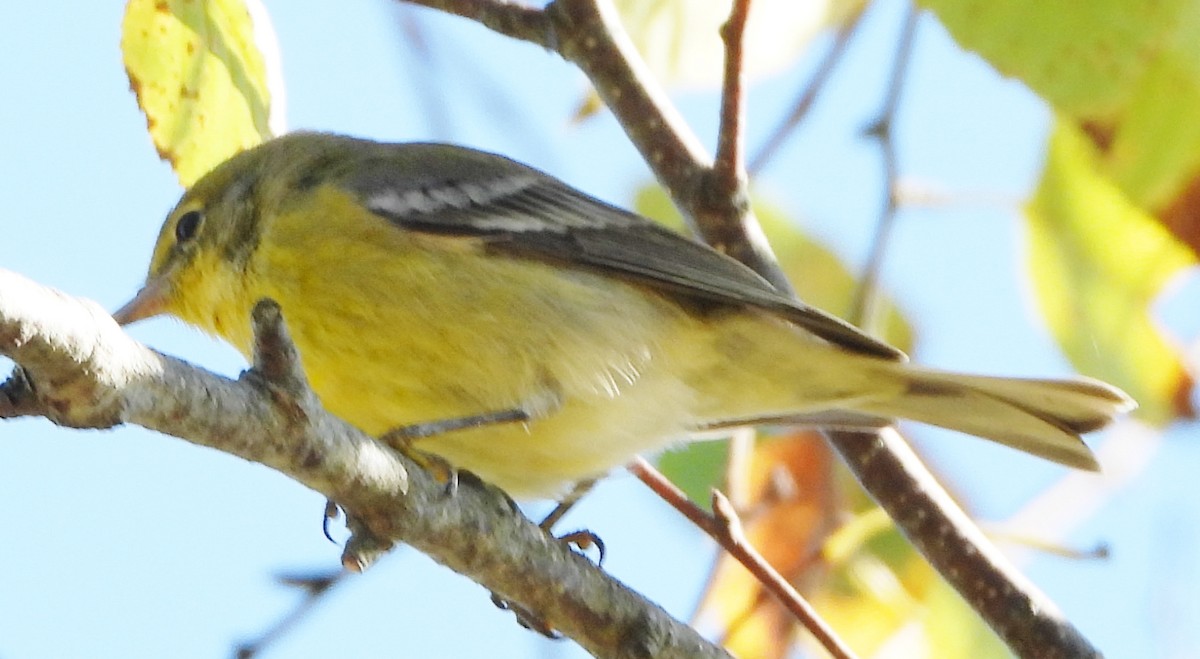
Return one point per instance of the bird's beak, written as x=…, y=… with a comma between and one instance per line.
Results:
x=149, y=302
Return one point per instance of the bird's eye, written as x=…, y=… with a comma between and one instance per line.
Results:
x=188, y=225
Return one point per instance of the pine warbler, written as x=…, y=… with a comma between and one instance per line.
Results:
x=424, y=282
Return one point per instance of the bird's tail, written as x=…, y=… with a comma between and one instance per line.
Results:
x=770, y=373
x=1042, y=417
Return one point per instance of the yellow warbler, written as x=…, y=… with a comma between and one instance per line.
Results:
x=424, y=282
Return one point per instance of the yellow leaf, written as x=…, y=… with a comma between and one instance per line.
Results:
x=1098, y=263
x=204, y=72
x=885, y=600
x=948, y=626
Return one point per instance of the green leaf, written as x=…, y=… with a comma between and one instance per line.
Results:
x=1099, y=254
x=1154, y=152
x=696, y=468
x=1098, y=263
x=203, y=72
x=1129, y=72
x=1083, y=57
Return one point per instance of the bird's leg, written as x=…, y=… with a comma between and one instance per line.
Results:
x=404, y=437
x=582, y=539
x=331, y=513
x=568, y=502
x=412, y=432
x=537, y=406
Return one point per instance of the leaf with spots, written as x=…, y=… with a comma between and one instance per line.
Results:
x=206, y=75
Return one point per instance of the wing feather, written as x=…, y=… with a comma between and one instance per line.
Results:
x=450, y=190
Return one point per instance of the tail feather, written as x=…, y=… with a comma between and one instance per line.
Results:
x=1042, y=417
x=766, y=375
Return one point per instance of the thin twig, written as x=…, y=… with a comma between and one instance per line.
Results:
x=315, y=588
x=729, y=167
x=725, y=529
x=880, y=129
x=730, y=181
x=1019, y=613
x=808, y=94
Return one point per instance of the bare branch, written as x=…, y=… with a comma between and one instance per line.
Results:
x=80, y=369
x=588, y=34
x=729, y=169
x=512, y=19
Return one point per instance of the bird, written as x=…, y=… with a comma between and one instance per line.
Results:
x=423, y=282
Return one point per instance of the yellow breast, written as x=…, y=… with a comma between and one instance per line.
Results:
x=395, y=327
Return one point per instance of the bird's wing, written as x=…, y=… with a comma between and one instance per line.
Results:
x=521, y=211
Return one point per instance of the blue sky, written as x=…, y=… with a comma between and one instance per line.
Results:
x=131, y=544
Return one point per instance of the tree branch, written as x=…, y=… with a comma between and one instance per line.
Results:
x=512, y=19
x=1015, y=608
x=77, y=368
